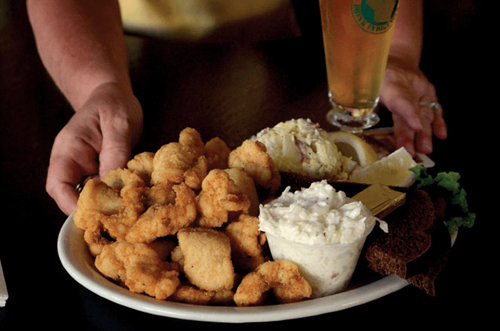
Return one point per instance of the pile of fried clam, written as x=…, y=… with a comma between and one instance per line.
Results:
x=181, y=224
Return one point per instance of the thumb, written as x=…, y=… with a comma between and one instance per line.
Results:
x=115, y=151
x=111, y=159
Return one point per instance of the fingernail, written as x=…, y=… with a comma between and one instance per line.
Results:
x=443, y=133
x=427, y=146
x=418, y=125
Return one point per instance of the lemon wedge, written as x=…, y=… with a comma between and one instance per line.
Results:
x=354, y=147
x=393, y=170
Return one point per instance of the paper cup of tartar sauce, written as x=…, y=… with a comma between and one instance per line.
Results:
x=327, y=268
x=320, y=230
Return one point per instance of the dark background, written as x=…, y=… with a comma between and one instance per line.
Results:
x=274, y=79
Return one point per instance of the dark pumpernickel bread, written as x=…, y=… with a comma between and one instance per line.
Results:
x=430, y=265
x=409, y=237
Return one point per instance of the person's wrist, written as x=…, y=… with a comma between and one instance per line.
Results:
x=403, y=56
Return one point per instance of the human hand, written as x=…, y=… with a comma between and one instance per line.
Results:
x=403, y=90
x=98, y=138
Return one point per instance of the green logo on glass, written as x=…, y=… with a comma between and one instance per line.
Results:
x=374, y=16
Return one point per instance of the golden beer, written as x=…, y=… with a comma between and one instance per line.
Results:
x=357, y=36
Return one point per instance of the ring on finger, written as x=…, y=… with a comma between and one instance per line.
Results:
x=81, y=185
x=433, y=105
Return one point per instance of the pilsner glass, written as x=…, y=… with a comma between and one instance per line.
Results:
x=357, y=36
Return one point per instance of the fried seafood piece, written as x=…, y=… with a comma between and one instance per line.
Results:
x=120, y=191
x=246, y=185
x=162, y=194
x=246, y=242
x=142, y=164
x=219, y=199
x=252, y=291
x=224, y=297
x=182, y=161
x=177, y=257
x=96, y=238
x=251, y=156
x=108, y=209
x=177, y=163
x=163, y=247
x=217, y=153
x=191, y=139
x=126, y=181
x=92, y=208
x=207, y=258
x=282, y=276
x=137, y=267
x=192, y=295
x=187, y=293
x=96, y=199
x=163, y=220
x=131, y=188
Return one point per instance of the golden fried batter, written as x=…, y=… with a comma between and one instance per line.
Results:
x=162, y=194
x=218, y=197
x=176, y=163
x=126, y=181
x=182, y=161
x=177, y=257
x=246, y=242
x=95, y=237
x=191, y=139
x=163, y=220
x=138, y=267
x=142, y=164
x=96, y=199
x=131, y=188
x=225, y=297
x=207, y=258
x=245, y=185
x=252, y=291
x=192, y=295
x=109, y=208
x=163, y=247
x=251, y=156
x=282, y=276
x=217, y=154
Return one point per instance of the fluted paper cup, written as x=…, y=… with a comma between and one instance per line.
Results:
x=327, y=268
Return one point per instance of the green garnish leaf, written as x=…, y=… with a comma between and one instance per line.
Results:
x=449, y=182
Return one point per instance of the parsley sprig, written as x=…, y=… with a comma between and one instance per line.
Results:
x=457, y=195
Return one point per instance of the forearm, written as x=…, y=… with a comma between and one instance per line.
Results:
x=408, y=34
x=81, y=44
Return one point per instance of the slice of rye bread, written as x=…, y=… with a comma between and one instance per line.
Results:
x=409, y=236
x=428, y=267
x=407, y=250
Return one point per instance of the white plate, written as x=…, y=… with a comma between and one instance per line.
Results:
x=79, y=263
x=3, y=288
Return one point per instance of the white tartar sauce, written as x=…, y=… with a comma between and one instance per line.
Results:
x=318, y=215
